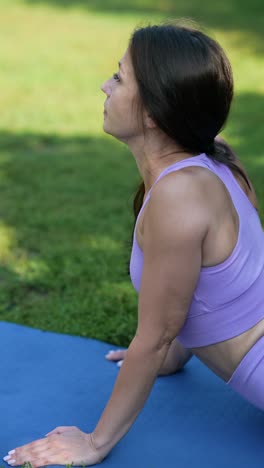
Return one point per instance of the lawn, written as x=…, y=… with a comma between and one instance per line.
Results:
x=66, y=188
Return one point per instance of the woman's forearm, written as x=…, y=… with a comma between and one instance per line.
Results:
x=132, y=387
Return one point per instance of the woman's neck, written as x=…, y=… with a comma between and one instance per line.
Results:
x=153, y=157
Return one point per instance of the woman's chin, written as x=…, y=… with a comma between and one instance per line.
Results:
x=105, y=128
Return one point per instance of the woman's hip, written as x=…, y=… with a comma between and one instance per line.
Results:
x=248, y=377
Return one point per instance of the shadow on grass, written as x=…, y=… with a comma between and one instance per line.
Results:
x=66, y=220
x=236, y=15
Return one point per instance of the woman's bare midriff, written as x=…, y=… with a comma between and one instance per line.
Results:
x=223, y=357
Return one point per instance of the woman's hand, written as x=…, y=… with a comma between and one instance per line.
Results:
x=62, y=446
x=175, y=360
x=117, y=356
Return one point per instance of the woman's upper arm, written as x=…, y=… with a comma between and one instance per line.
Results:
x=174, y=228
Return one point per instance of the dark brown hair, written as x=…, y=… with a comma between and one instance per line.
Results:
x=185, y=83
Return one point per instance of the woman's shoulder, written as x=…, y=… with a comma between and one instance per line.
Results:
x=180, y=195
x=189, y=182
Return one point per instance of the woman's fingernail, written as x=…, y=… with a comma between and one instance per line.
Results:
x=7, y=458
x=119, y=363
x=11, y=452
x=10, y=462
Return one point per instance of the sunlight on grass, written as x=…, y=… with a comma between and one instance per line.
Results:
x=52, y=81
x=259, y=161
x=102, y=242
x=7, y=241
x=28, y=268
x=18, y=260
x=52, y=65
x=248, y=68
x=122, y=288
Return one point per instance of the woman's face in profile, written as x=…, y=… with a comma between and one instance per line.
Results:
x=120, y=107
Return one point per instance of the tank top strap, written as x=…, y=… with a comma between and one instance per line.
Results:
x=200, y=160
x=238, y=196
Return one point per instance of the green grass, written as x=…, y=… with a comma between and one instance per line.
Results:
x=66, y=217
x=67, y=189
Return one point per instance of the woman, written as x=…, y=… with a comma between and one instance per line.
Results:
x=198, y=249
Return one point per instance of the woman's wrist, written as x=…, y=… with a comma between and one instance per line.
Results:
x=100, y=447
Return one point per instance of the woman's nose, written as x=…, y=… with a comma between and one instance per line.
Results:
x=106, y=88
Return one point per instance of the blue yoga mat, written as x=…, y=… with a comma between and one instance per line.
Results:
x=191, y=419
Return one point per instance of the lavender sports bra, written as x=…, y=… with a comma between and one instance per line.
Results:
x=229, y=297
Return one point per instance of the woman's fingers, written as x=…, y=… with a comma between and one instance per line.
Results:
x=118, y=355
x=22, y=454
x=71, y=446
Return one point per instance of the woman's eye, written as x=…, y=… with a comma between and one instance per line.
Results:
x=116, y=77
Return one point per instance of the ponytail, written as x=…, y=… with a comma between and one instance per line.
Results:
x=219, y=151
